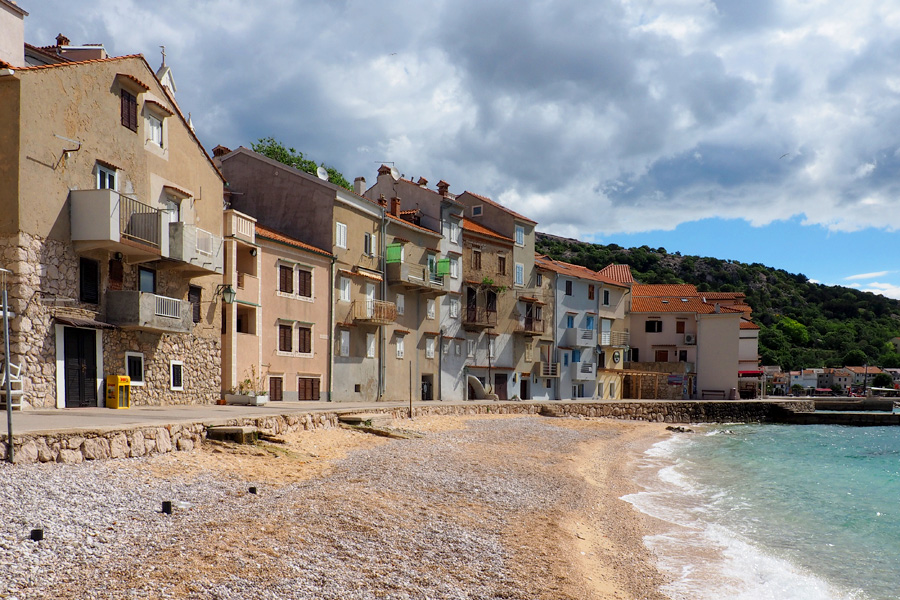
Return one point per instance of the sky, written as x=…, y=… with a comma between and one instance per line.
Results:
x=761, y=131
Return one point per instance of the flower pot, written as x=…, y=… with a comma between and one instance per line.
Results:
x=246, y=399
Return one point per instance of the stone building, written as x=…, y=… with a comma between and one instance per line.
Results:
x=111, y=225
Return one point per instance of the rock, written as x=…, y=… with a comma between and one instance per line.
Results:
x=71, y=457
x=95, y=448
x=138, y=448
x=118, y=446
x=27, y=452
x=185, y=444
x=163, y=440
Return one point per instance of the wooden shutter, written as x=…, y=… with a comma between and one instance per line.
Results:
x=286, y=279
x=284, y=338
x=304, y=285
x=129, y=110
x=305, y=343
x=89, y=273
x=276, y=389
x=194, y=293
x=307, y=389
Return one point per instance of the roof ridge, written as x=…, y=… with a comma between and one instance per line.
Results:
x=72, y=63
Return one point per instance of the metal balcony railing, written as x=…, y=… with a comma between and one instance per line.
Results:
x=530, y=326
x=549, y=369
x=479, y=317
x=614, y=338
x=168, y=307
x=139, y=222
x=374, y=311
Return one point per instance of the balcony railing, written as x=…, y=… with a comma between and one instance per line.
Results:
x=584, y=370
x=575, y=337
x=139, y=222
x=475, y=318
x=197, y=249
x=530, y=326
x=130, y=309
x=105, y=219
x=168, y=307
x=614, y=338
x=548, y=369
x=414, y=276
x=374, y=311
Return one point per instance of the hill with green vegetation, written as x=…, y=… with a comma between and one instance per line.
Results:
x=803, y=324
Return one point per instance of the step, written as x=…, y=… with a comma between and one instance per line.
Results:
x=373, y=419
x=237, y=435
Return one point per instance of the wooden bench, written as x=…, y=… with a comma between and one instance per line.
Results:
x=712, y=394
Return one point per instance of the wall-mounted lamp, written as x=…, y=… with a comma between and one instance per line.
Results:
x=252, y=251
x=228, y=293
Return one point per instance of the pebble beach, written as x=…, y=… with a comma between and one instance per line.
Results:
x=492, y=507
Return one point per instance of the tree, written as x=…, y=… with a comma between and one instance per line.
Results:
x=855, y=358
x=883, y=380
x=275, y=150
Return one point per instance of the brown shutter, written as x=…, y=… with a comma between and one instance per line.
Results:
x=89, y=271
x=286, y=279
x=305, y=344
x=284, y=338
x=305, y=284
x=194, y=293
x=276, y=389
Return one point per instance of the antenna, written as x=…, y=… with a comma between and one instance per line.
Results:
x=395, y=174
x=322, y=174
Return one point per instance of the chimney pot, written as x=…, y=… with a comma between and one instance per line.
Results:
x=422, y=182
x=62, y=40
x=382, y=200
x=443, y=188
x=359, y=186
x=395, y=206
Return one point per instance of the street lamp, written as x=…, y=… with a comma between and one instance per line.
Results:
x=228, y=293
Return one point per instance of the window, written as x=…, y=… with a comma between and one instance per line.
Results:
x=682, y=356
x=194, y=296
x=679, y=326
x=662, y=356
x=520, y=274
x=653, y=326
x=401, y=304
x=345, y=343
x=570, y=321
x=345, y=289
x=400, y=346
x=565, y=359
x=476, y=260
x=576, y=356
x=89, y=275
x=134, y=367
x=456, y=348
x=470, y=348
x=176, y=375
x=520, y=235
x=568, y=288
x=129, y=110
x=106, y=178
x=491, y=301
x=501, y=265
x=477, y=211
x=276, y=389
x=605, y=297
x=429, y=347
x=146, y=280
x=307, y=389
x=454, y=308
x=590, y=292
x=454, y=268
x=304, y=344
x=429, y=310
x=370, y=345
x=634, y=355
x=340, y=235
x=155, y=130
x=491, y=348
x=285, y=333
x=590, y=323
x=454, y=233
x=304, y=283
x=285, y=279
x=369, y=245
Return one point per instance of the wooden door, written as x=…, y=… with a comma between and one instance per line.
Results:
x=80, y=365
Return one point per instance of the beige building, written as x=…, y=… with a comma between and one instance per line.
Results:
x=112, y=228
x=277, y=331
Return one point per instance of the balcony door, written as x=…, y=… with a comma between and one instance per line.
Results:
x=370, y=300
x=80, y=364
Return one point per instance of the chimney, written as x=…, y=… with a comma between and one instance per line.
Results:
x=62, y=40
x=443, y=188
x=384, y=170
x=395, y=206
x=221, y=150
x=382, y=201
x=359, y=186
x=422, y=182
x=12, y=40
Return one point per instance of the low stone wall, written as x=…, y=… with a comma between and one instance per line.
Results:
x=78, y=446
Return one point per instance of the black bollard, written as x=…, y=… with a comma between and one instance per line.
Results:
x=37, y=534
x=167, y=507
x=252, y=490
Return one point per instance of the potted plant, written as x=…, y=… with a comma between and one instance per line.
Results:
x=250, y=391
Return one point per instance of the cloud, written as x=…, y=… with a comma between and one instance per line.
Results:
x=868, y=275
x=885, y=289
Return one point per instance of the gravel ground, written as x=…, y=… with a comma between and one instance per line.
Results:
x=486, y=510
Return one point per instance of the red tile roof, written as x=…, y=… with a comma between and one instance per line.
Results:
x=82, y=62
x=665, y=290
x=723, y=295
x=620, y=273
x=748, y=325
x=871, y=370
x=679, y=297
x=487, y=200
x=275, y=236
x=570, y=270
x=476, y=228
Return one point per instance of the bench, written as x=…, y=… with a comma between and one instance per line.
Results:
x=712, y=394
x=15, y=384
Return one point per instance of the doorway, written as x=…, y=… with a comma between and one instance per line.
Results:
x=525, y=387
x=80, y=367
x=500, y=380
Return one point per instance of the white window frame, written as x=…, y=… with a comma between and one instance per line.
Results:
x=454, y=232
x=401, y=304
x=457, y=348
x=429, y=346
x=520, y=274
x=520, y=235
x=370, y=345
x=401, y=346
x=103, y=177
x=430, y=309
x=312, y=338
x=340, y=235
x=454, y=308
x=491, y=348
x=370, y=244
x=172, y=366
x=140, y=382
x=454, y=268
x=345, y=289
x=470, y=348
x=155, y=129
x=344, y=349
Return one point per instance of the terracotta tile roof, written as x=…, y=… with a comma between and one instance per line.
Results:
x=394, y=219
x=748, y=325
x=275, y=236
x=871, y=370
x=479, y=229
x=620, y=273
x=723, y=295
x=647, y=304
x=487, y=200
x=665, y=290
x=570, y=270
x=75, y=63
x=160, y=106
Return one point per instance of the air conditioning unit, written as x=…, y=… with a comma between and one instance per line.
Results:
x=690, y=339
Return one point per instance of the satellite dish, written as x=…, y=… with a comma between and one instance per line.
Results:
x=322, y=174
x=395, y=174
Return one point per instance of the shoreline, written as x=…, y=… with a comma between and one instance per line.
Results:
x=481, y=506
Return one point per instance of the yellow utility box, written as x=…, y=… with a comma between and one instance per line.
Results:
x=118, y=391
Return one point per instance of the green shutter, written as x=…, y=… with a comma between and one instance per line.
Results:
x=394, y=253
x=443, y=266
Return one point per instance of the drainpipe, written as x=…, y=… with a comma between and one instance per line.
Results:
x=440, y=396
x=329, y=367
x=382, y=365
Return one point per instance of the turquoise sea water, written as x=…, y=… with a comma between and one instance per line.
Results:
x=776, y=511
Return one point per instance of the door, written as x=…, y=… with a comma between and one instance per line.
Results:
x=471, y=305
x=370, y=299
x=606, y=332
x=80, y=365
x=525, y=387
x=500, y=386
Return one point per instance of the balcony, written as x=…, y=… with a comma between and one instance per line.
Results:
x=240, y=226
x=615, y=338
x=575, y=337
x=376, y=312
x=417, y=277
x=247, y=287
x=148, y=312
x=548, y=369
x=583, y=371
x=105, y=219
x=479, y=318
x=530, y=326
x=198, y=250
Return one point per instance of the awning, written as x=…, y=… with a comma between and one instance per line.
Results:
x=82, y=322
x=361, y=273
x=750, y=373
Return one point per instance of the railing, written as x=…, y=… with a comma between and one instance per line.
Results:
x=205, y=242
x=240, y=280
x=435, y=279
x=168, y=307
x=138, y=221
x=480, y=317
x=244, y=226
x=584, y=370
x=375, y=311
x=549, y=369
x=530, y=326
x=614, y=338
